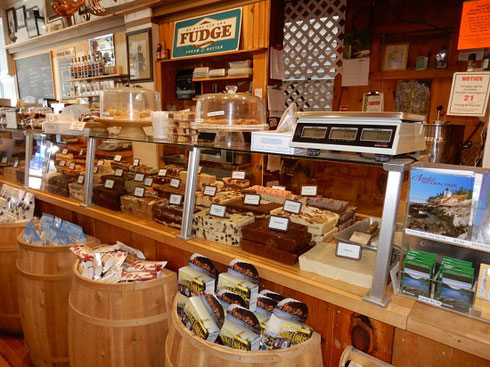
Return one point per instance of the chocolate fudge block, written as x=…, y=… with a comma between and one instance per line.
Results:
x=168, y=214
x=109, y=198
x=261, y=210
x=295, y=240
x=231, y=224
x=56, y=183
x=317, y=220
x=333, y=205
x=76, y=191
x=269, y=252
x=119, y=181
x=164, y=191
x=236, y=184
x=139, y=207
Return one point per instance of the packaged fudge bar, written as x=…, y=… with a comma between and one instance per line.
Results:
x=241, y=329
x=139, y=207
x=195, y=279
x=241, y=279
x=265, y=308
x=318, y=221
x=259, y=211
x=287, y=327
x=295, y=241
x=204, y=316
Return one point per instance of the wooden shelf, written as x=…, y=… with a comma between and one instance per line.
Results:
x=238, y=52
x=412, y=74
x=227, y=77
x=108, y=76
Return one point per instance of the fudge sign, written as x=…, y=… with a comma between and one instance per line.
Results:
x=208, y=34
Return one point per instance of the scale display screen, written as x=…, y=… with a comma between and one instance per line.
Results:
x=341, y=133
x=376, y=135
x=314, y=132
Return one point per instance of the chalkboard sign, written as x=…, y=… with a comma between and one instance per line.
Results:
x=35, y=77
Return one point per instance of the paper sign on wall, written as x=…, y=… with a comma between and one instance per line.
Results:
x=469, y=94
x=474, y=31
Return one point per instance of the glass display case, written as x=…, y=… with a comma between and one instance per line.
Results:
x=128, y=103
x=12, y=156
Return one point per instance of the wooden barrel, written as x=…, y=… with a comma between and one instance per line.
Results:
x=184, y=349
x=9, y=300
x=124, y=324
x=44, y=282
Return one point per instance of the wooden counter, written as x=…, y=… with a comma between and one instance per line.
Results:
x=469, y=335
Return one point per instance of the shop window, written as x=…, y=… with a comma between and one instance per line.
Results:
x=313, y=33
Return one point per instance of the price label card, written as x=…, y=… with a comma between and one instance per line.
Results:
x=278, y=223
x=136, y=162
x=210, y=191
x=96, y=170
x=199, y=170
x=148, y=182
x=62, y=163
x=109, y=184
x=162, y=172
x=72, y=165
x=81, y=179
x=78, y=125
x=217, y=210
x=100, y=162
x=175, y=199
x=292, y=206
x=469, y=94
x=238, y=175
x=309, y=190
x=251, y=199
x=175, y=183
x=4, y=160
x=119, y=172
x=348, y=250
x=139, y=192
x=64, y=151
x=81, y=151
x=118, y=158
x=282, y=188
x=16, y=164
x=139, y=177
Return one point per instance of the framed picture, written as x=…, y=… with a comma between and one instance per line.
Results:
x=11, y=21
x=140, y=56
x=50, y=14
x=20, y=15
x=395, y=56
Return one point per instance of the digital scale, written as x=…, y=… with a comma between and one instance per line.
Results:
x=381, y=133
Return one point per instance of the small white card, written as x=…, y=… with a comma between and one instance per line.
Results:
x=16, y=164
x=118, y=172
x=81, y=151
x=282, y=188
x=210, y=191
x=77, y=125
x=72, y=165
x=175, y=183
x=175, y=199
x=81, y=179
x=62, y=163
x=348, y=250
x=292, y=206
x=4, y=160
x=251, y=199
x=96, y=169
x=139, y=192
x=238, y=175
x=109, y=184
x=278, y=223
x=118, y=158
x=139, y=177
x=148, y=182
x=217, y=210
x=309, y=190
x=64, y=151
x=100, y=162
x=162, y=172
x=136, y=162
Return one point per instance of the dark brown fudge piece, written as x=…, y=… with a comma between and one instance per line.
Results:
x=333, y=205
x=109, y=198
x=257, y=210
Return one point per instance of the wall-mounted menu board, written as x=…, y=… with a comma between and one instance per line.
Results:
x=35, y=77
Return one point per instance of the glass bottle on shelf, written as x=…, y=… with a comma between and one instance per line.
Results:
x=159, y=52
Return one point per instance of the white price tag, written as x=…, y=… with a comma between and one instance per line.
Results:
x=162, y=172
x=81, y=179
x=81, y=151
x=175, y=199
x=136, y=162
x=16, y=164
x=4, y=160
x=96, y=170
x=119, y=172
x=100, y=162
x=238, y=175
x=292, y=206
x=148, y=182
x=251, y=199
x=430, y=301
x=78, y=125
x=216, y=113
x=278, y=223
x=217, y=210
x=109, y=184
x=309, y=190
x=64, y=151
x=139, y=192
x=118, y=158
x=348, y=250
x=139, y=177
x=210, y=191
x=282, y=188
x=175, y=183
x=62, y=163
x=72, y=165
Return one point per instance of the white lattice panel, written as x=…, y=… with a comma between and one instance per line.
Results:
x=313, y=33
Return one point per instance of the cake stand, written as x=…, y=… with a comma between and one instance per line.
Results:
x=229, y=135
x=129, y=129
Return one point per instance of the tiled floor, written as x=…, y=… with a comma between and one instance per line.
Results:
x=13, y=352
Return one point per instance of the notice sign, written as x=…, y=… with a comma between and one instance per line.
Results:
x=208, y=34
x=469, y=94
x=474, y=31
